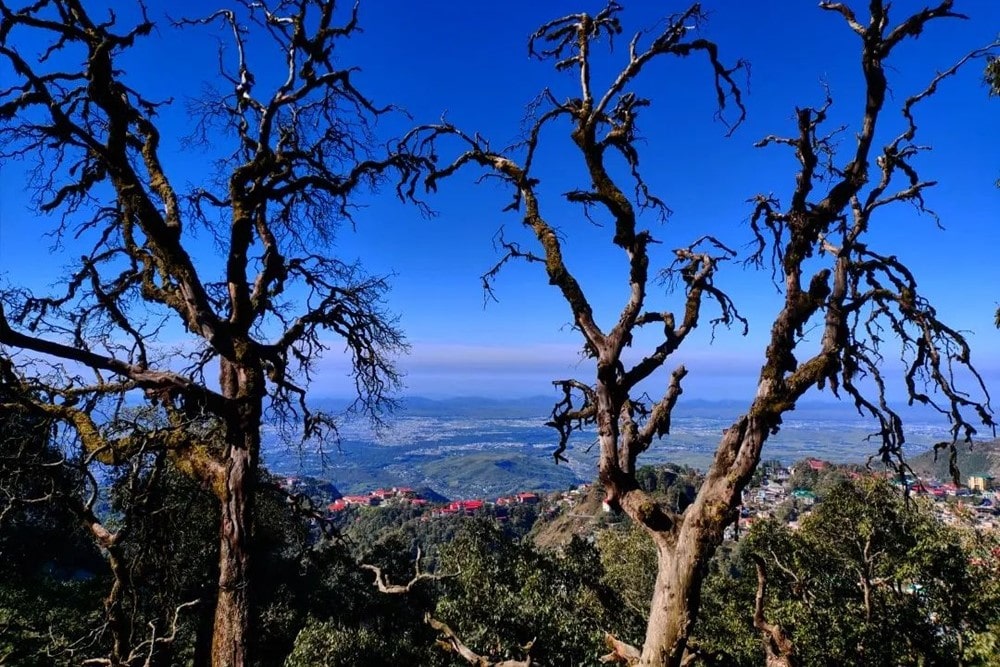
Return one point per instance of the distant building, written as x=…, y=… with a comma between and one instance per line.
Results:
x=461, y=507
x=981, y=482
x=368, y=501
x=806, y=496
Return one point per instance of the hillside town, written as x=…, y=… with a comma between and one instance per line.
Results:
x=976, y=503
x=785, y=493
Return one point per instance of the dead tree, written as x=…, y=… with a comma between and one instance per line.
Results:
x=827, y=272
x=290, y=142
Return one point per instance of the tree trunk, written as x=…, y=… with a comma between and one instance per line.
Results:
x=118, y=621
x=232, y=611
x=683, y=554
x=231, y=629
x=676, y=597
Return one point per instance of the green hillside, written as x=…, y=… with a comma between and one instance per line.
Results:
x=487, y=473
x=982, y=457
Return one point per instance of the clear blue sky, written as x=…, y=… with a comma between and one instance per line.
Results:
x=470, y=59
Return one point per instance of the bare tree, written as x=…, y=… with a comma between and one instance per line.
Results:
x=290, y=141
x=828, y=274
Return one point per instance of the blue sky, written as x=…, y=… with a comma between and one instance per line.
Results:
x=470, y=60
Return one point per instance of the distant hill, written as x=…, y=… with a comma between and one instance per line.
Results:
x=429, y=494
x=476, y=447
x=487, y=474
x=983, y=457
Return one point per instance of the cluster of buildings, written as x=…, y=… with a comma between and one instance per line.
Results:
x=408, y=496
x=976, y=503
x=398, y=495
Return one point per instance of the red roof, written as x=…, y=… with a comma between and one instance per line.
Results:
x=465, y=505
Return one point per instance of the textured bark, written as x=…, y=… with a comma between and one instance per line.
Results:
x=286, y=171
x=829, y=226
x=674, y=605
x=230, y=634
x=232, y=627
x=683, y=553
x=779, y=651
x=451, y=642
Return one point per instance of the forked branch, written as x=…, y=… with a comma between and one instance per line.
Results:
x=450, y=641
x=385, y=586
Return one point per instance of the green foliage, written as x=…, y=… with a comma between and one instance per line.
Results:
x=725, y=631
x=934, y=590
x=330, y=645
x=675, y=485
x=363, y=527
x=821, y=482
x=508, y=593
x=43, y=615
x=53, y=577
x=628, y=557
x=925, y=602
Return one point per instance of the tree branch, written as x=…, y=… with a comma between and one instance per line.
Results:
x=401, y=589
x=451, y=642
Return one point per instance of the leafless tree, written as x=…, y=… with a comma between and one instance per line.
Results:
x=816, y=243
x=291, y=142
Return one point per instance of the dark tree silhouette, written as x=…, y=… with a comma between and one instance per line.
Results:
x=289, y=150
x=816, y=244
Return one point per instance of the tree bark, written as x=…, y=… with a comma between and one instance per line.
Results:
x=231, y=629
x=779, y=650
x=676, y=596
x=683, y=552
x=232, y=611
